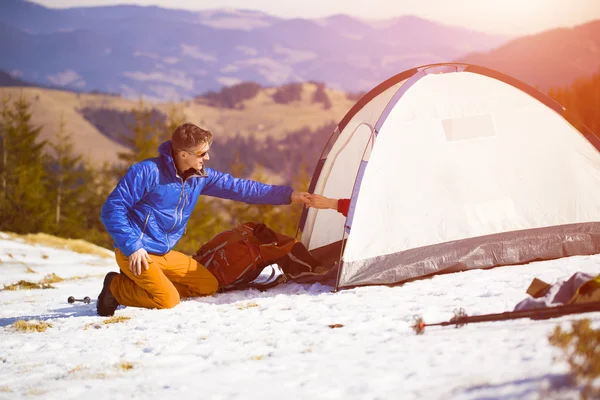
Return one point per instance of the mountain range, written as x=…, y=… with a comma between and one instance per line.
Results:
x=550, y=59
x=168, y=54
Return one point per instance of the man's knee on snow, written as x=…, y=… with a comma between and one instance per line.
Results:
x=168, y=300
x=212, y=285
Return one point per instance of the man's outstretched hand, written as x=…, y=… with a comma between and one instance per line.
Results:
x=138, y=260
x=300, y=197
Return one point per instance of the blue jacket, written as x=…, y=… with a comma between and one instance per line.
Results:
x=151, y=205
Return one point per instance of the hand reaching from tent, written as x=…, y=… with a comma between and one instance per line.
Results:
x=322, y=202
x=138, y=260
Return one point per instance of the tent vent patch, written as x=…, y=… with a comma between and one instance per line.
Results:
x=471, y=127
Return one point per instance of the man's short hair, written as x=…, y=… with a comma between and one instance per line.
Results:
x=188, y=136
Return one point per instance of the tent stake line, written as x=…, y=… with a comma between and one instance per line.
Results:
x=461, y=318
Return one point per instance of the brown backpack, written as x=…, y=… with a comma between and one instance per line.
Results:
x=237, y=256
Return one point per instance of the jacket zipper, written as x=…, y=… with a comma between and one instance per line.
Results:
x=144, y=228
x=181, y=195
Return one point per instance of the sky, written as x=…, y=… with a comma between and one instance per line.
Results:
x=290, y=342
x=509, y=17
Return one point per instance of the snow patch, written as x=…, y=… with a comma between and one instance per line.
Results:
x=273, y=71
x=236, y=23
x=171, y=60
x=280, y=341
x=249, y=51
x=228, y=80
x=293, y=56
x=176, y=78
x=230, y=68
x=67, y=78
x=194, y=52
x=154, y=56
x=164, y=92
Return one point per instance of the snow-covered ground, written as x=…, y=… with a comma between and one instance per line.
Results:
x=278, y=344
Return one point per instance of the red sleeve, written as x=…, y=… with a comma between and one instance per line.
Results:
x=343, y=205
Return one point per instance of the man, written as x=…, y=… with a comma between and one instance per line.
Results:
x=147, y=212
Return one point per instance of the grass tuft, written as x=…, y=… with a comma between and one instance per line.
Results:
x=27, y=285
x=125, y=365
x=36, y=392
x=51, y=278
x=247, y=305
x=116, y=320
x=31, y=326
x=76, y=245
x=45, y=283
x=581, y=350
x=77, y=368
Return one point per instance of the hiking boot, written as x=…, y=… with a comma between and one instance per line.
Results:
x=107, y=304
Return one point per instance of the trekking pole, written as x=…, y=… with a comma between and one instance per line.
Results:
x=461, y=318
x=72, y=300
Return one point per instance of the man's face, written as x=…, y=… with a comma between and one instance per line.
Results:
x=195, y=158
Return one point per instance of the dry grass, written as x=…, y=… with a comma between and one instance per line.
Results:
x=125, y=365
x=36, y=392
x=31, y=326
x=257, y=357
x=92, y=325
x=27, y=285
x=5, y=389
x=77, y=368
x=51, y=278
x=581, y=350
x=116, y=320
x=247, y=305
x=29, y=270
x=45, y=283
x=76, y=245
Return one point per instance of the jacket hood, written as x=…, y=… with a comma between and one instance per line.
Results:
x=166, y=152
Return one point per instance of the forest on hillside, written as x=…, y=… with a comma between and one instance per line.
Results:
x=45, y=187
x=62, y=195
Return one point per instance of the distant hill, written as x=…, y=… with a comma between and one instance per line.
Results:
x=554, y=58
x=259, y=127
x=170, y=54
x=7, y=79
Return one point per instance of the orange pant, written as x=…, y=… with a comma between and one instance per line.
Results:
x=169, y=278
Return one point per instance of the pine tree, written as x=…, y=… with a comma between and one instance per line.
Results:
x=175, y=118
x=25, y=208
x=5, y=118
x=99, y=183
x=582, y=101
x=238, y=212
x=144, y=142
x=67, y=181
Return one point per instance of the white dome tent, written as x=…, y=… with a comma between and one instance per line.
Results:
x=452, y=167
